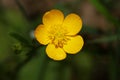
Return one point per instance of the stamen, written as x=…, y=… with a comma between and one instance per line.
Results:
x=58, y=35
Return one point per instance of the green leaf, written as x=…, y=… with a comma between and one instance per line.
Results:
x=19, y=37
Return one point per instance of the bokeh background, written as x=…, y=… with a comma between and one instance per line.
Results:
x=23, y=58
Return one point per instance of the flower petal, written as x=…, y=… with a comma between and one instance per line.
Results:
x=55, y=53
x=74, y=45
x=53, y=17
x=41, y=35
x=73, y=24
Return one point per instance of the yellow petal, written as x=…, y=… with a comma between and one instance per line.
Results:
x=73, y=24
x=74, y=45
x=55, y=53
x=53, y=17
x=41, y=34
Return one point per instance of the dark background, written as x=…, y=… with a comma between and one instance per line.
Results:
x=23, y=58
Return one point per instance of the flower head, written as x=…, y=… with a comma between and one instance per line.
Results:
x=60, y=34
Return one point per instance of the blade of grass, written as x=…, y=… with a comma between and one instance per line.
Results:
x=21, y=7
x=115, y=73
x=102, y=9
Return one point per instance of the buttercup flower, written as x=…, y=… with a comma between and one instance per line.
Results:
x=60, y=34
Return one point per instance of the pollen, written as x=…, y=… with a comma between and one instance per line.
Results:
x=58, y=35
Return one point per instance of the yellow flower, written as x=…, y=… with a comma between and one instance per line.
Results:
x=60, y=34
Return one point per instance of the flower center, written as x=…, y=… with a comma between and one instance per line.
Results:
x=58, y=35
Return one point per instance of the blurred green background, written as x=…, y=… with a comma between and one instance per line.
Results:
x=23, y=58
